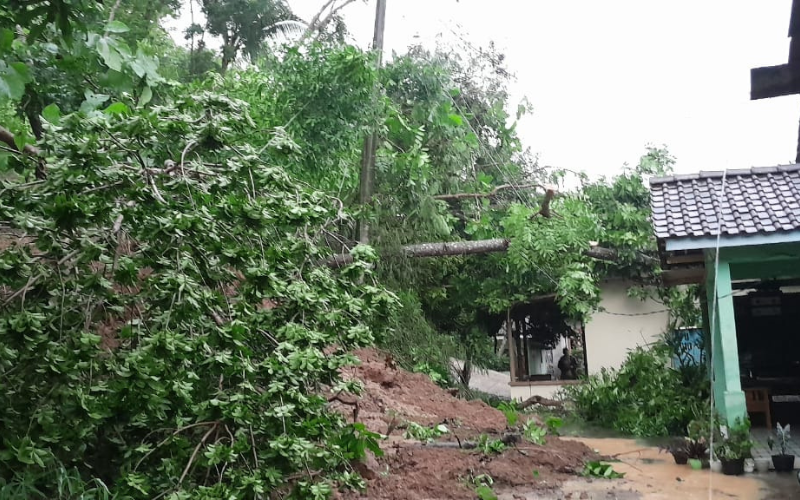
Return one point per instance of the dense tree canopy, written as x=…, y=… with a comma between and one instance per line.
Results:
x=165, y=230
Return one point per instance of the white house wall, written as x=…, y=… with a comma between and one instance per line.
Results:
x=521, y=393
x=622, y=324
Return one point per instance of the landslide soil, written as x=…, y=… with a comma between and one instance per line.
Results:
x=410, y=470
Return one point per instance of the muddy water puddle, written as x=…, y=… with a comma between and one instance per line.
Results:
x=650, y=475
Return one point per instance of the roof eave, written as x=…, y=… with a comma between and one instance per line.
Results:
x=727, y=241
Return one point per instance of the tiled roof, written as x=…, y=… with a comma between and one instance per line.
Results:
x=756, y=200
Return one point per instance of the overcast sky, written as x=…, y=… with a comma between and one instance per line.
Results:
x=607, y=78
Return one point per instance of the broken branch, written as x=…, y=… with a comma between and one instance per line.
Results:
x=194, y=453
x=318, y=22
x=7, y=137
x=534, y=400
x=494, y=192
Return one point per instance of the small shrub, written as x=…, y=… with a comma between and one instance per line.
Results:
x=509, y=409
x=357, y=439
x=424, y=434
x=437, y=374
x=645, y=397
x=601, y=470
x=534, y=433
x=485, y=493
x=489, y=446
x=553, y=425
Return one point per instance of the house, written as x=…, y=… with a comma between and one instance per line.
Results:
x=621, y=324
x=737, y=233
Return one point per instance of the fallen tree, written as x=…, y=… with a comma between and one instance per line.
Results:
x=455, y=248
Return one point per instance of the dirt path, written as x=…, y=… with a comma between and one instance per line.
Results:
x=650, y=475
x=488, y=381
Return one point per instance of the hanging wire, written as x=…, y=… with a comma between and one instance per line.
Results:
x=713, y=317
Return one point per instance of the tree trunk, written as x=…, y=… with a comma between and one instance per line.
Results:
x=452, y=248
x=440, y=249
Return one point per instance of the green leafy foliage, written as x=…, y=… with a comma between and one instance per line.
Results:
x=735, y=442
x=70, y=485
x=782, y=437
x=601, y=470
x=424, y=434
x=165, y=303
x=553, y=425
x=489, y=446
x=485, y=492
x=483, y=487
x=534, y=432
x=511, y=412
x=645, y=397
x=436, y=374
x=357, y=440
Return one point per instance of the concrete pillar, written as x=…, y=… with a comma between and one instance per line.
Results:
x=728, y=394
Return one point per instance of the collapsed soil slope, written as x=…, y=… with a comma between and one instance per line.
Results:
x=413, y=471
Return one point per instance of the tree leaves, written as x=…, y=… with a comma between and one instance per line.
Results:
x=146, y=96
x=13, y=77
x=92, y=101
x=116, y=27
x=200, y=355
x=108, y=51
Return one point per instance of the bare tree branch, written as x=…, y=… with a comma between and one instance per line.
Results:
x=494, y=192
x=7, y=137
x=318, y=22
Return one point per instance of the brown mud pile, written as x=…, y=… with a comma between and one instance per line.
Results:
x=410, y=470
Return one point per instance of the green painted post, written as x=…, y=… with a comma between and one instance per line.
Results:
x=728, y=392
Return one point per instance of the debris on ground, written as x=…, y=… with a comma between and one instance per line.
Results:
x=443, y=468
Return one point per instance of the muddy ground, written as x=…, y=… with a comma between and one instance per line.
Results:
x=411, y=470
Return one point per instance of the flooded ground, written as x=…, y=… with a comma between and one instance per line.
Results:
x=650, y=475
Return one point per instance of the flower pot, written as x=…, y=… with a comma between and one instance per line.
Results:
x=762, y=464
x=783, y=463
x=680, y=457
x=716, y=466
x=695, y=463
x=749, y=465
x=733, y=467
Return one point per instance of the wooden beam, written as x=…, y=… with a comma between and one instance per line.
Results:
x=676, y=277
x=686, y=259
x=774, y=81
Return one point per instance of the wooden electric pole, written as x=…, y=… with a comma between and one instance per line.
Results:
x=371, y=141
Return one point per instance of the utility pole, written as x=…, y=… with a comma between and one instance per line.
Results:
x=371, y=141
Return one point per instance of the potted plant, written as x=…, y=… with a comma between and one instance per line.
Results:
x=783, y=462
x=679, y=450
x=697, y=451
x=734, y=447
x=699, y=432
